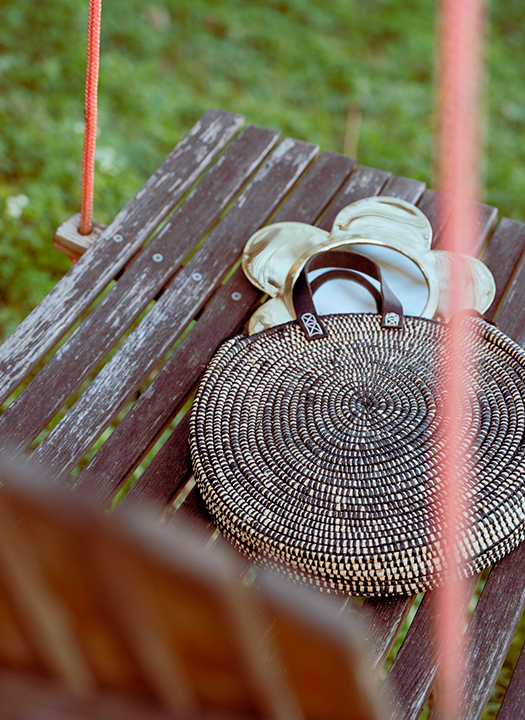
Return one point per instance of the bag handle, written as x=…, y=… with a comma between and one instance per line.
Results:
x=341, y=274
x=307, y=317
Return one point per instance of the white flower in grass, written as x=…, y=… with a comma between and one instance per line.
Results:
x=15, y=205
x=106, y=157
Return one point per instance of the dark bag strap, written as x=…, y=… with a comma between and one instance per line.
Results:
x=307, y=317
x=341, y=274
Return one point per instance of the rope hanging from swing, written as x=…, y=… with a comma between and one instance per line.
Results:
x=90, y=117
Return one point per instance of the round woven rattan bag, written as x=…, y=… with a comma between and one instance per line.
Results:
x=319, y=445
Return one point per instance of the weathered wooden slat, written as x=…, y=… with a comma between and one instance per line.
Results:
x=183, y=297
x=437, y=214
x=167, y=472
x=486, y=218
x=139, y=430
x=223, y=315
x=404, y=189
x=317, y=188
x=514, y=701
x=510, y=316
x=490, y=632
x=141, y=282
x=414, y=669
x=503, y=256
x=59, y=310
x=382, y=620
x=430, y=205
x=364, y=182
x=194, y=507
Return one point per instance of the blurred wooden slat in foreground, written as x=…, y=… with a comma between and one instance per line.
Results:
x=122, y=617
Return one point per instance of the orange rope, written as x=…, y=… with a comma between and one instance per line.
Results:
x=461, y=67
x=90, y=117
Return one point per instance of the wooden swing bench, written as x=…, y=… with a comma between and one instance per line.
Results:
x=135, y=310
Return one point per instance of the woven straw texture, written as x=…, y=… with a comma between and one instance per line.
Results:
x=325, y=458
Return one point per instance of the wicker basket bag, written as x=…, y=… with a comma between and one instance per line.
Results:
x=319, y=445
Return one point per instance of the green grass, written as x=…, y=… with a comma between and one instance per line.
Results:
x=295, y=65
x=353, y=76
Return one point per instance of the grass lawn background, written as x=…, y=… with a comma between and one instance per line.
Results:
x=293, y=65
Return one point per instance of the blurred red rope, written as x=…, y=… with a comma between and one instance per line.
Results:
x=461, y=65
x=90, y=117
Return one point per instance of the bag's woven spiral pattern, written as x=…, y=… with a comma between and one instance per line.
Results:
x=325, y=458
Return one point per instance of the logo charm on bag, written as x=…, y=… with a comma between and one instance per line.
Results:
x=392, y=319
x=311, y=325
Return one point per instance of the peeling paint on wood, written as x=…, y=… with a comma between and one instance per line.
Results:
x=59, y=310
x=181, y=300
x=142, y=280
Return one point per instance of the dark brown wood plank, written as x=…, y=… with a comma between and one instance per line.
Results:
x=182, y=299
x=153, y=411
x=404, y=189
x=414, y=669
x=223, y=316
x=59, y=310
x=316, y=190
x=382, y=620
x=194, y=507
x=166, y=473
x=486, y=218
x=437, y=213
x=364, y=182
x=511, y=316
x=490, y=632
x=513, y=705
x=503, y=256
x=430, y=205
x=143, y=279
